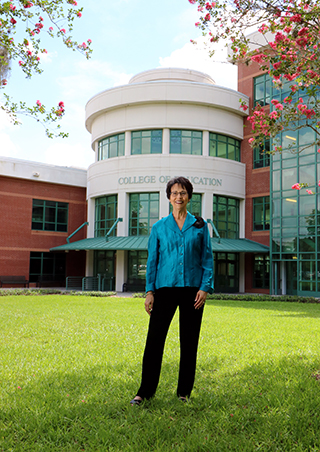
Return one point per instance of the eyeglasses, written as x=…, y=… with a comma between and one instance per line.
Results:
x=176, y=193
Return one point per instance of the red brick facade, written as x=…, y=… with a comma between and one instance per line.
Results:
x=17, y=239
x=257, y=180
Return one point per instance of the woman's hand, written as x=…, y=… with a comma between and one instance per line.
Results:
x=148, y=304
x=200, y=299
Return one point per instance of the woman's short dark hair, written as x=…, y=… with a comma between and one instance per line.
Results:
x=184, y=182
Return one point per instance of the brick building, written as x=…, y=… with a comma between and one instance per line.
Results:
x=41, y=205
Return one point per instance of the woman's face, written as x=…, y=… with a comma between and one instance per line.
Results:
x=179, y=197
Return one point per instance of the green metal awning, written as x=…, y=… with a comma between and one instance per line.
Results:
x=100, y=243
x=140, y=243
x=237, y=246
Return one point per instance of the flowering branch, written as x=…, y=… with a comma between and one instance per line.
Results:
x=31, y=20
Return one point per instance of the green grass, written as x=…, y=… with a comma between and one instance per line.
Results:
x=70, y=365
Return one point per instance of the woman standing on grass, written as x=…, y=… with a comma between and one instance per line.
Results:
x=179, y=273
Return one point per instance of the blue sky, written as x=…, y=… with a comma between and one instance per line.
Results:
x=128, y=37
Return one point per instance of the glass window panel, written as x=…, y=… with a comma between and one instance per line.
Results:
x=306, y=136
x=288, y=176
x=307, y=205
x=222, y=150
x=186, y=145
x=289, y=208
x=197, y=146
x=307, y=175
x=113, y=150
x=146, y=146
x=276, y=180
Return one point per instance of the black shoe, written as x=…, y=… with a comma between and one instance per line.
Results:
x=136, y=402
x=183, y=399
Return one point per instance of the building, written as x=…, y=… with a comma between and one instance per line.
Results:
x=41, y=205
x=168, y=122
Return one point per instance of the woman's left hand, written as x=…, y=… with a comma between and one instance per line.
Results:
x=200, y=299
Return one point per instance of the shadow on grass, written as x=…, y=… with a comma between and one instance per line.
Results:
x=301, y=309
x=268, y=406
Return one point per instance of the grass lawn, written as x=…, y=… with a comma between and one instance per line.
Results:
x=70, y=365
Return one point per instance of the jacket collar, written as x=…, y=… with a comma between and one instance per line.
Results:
x=171, y=222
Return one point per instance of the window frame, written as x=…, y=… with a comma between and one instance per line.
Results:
x=183, y=134
x=261, y=158
x=106, y=202
x=218, y=138
x=228, y=231
x=42, y=223
x=264, y=203
x=149, y=220
x=264, y=80
x=106, y=142
x=141, y=136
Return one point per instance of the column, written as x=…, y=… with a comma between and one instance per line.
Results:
x=205, y=143
x=127, y=143
x=166, y=141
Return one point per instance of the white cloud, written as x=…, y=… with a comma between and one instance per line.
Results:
x=196, y=57
x=89, y=78
x=64, y=154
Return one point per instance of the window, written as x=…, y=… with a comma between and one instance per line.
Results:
x=226, y=274
x=137, y=269
x=105, y=215
x=261, y=90
x=47, y=267
x=143, y=212
x=194, y=205
x=261, y=213
x=261, y=156
x=49, y=216
x=146, y=142
x=111, y=147
x=226, y=216
x=185, y=142
x=261, y=271
x=224, y=147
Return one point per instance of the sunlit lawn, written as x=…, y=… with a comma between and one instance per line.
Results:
x=70, y=365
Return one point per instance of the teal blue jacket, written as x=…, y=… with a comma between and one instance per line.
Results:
x=179, y=258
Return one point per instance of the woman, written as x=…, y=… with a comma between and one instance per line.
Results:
x=179, y=273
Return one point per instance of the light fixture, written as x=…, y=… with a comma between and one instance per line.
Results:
x=291, y=200
x=291, y=138
x=35, y=174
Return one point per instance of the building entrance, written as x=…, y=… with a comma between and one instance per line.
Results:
x=104, y=264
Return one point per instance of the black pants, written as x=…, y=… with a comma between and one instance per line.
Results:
x=166, y=301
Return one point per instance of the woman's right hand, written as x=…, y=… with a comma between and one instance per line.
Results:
x=148, y=304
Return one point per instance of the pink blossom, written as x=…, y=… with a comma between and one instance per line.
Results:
x=207, y=17
x=63, y=30
x=4, y=81
x=89, y=41
x=296, y=186
x=251, y=140
x=21, y=63
x=310, y=192
x=12, y=7
x=38, y=103
x=13, y=21
x=192, y=2
x=50, y=29
x=318, y=151
x=319, y=183
x=61, y=104
x=19, y=387
x=79, y=14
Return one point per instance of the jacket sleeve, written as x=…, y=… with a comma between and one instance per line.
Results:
x=152, y=263
x=207, y=263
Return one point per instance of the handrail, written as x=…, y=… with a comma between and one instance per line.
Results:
x=214, y=229
x=80, y=227
x=112, y=228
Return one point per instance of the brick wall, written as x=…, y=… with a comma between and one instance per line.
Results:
x=257, y=180
x=16, y=237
